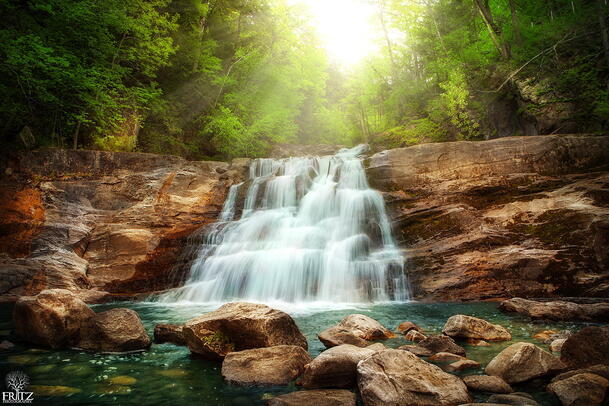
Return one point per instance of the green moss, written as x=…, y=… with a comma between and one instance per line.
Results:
x=556, y=228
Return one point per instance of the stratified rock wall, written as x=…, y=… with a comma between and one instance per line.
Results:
x=518, y=216
x=97, y=222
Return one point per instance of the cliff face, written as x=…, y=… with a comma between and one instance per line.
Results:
x=102, y=223
x=518, y=216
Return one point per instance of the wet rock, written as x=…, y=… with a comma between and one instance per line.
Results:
x=487, y=383
x=326, y=397
x=336, y=335
x=365, y=327
x=335, y=367
x=414, y=335
x=446, y=357
x=462, y=365
x=463, y=326
x=277, y=365
x=442, y=343
x=589, y=346
x=240, y=326
x=416, y=350
x=516, y=399
x=6, y=345
x=406, y=326
x=169, y=333
x=521, y=362
x=57, y=390
x=53, y=318
x=544, y=335
x=557, y=310
x=556, y=345
x=122, y=380
x=395, y=377
x=582, y=389
x=115, y=330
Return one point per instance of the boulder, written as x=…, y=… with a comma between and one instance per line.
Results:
x=463, y=326
x=336, y=335
x=53, y=318
x=516, y=399
x=487, y=383
x=240, y=326
x=589, y=346
x=414, y=335
x=416, y=350
x=337, y=397
x=584, y=389
x=557, y=310
x=476, y=343
x=442, y=343
x=600, y=370
x=406, y=326
x=556, y=345
x=169, y=333
x=521, y=362
x=400, y=378
x=335, y=367
x=446, y=357
x=277, y=365
x=115, y=330
x=462, y=365
x=365, y=327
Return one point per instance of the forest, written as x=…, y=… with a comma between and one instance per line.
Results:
x=215, y=79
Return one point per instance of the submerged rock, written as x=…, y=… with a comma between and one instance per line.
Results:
x=521, y=362
x=325, y=397
x=169, y=333
x=442, y=343
x=395, y=377
x=487, y=383
x=335, y=367
x=115, y=330
x=240, y=326
x=277, y=365
x=53, y=318
x=589, y=346
x=582, y=389
x=557, y=310
x=472, y=327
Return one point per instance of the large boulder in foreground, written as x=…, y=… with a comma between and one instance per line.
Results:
x=589, y=346
x=585, y=389
x=115, y=330
x=464, y=326
x=52, y=318
x=278, y=365
x=521, y=362
x=240, y=326
x=400, y=378
x=557, y=310
x=337, y=397
x=442, y=343
x=335, y=367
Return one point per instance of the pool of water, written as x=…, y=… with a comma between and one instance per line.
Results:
x=166, y=374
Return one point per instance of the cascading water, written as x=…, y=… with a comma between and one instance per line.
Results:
x=310, y=229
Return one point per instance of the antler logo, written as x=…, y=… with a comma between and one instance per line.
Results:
x=17, y=381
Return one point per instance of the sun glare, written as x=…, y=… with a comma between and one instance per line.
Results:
x=345, y=26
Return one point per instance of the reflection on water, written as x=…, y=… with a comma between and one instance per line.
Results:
x=168, y=375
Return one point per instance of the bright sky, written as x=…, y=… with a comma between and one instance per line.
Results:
x=345, y=26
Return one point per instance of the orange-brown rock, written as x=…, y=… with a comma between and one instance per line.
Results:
x=516, y=216
x=115, y=330
x=105, y=225
x=406, y=326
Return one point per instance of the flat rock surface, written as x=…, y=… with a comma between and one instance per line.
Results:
x=278, y=365
x=315, y=398
x=557, y=310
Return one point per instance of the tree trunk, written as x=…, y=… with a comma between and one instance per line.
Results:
x=76, y=135
x=515, y=25
x=387, y=40
x=603, y=25
x=493, y=29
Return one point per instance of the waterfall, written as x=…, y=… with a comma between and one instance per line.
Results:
x=309, y=229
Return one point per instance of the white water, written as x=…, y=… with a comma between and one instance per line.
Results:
x=311, y=230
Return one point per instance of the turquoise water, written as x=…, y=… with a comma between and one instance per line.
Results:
x=166, y=374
